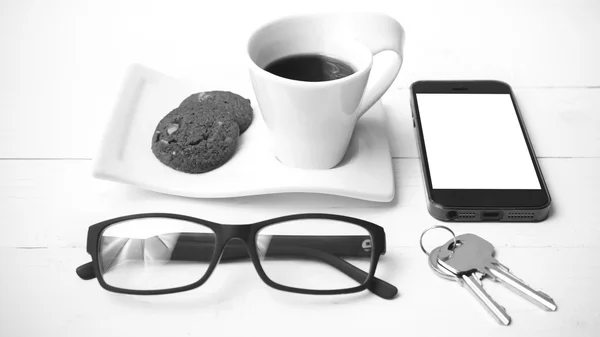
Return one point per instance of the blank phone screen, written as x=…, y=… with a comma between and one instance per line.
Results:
x=474, y=141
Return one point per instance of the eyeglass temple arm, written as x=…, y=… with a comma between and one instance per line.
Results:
x=86, y=271
x=377, y=286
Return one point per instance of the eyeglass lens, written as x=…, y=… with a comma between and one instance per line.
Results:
x=312, y=253
x=155, y=253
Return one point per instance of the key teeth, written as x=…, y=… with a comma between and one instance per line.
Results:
x=549, y=299
x=508, y=318
x=540, y=304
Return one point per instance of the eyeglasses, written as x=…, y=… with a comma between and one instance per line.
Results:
x=161, y=253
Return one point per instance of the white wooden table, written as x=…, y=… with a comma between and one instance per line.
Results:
x=60, y=67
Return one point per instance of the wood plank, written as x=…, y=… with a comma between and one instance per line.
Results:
x=51, y=204
x=44, y=289
x=561, y=123
x=57, y=90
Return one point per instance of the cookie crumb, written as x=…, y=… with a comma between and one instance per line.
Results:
x=172, y=128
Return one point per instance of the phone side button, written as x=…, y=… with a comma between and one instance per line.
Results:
x=414, y=125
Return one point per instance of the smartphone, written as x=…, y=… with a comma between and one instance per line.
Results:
x=477, y=160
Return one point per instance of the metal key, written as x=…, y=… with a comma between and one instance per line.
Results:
x=441, y=271
x=472, y=281
x=476, y=254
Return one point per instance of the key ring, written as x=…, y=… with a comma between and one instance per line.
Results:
x=435, y=227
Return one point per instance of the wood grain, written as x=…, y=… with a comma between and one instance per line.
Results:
x=51, y=204
x=48, y=298
x=57, y=89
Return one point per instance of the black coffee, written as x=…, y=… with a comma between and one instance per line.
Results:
x=310, y=68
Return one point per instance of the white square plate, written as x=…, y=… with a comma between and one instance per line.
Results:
x=146, y=96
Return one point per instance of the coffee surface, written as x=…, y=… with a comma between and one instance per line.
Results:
x=310, y=68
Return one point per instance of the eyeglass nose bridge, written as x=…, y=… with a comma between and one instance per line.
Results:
x=242, y=232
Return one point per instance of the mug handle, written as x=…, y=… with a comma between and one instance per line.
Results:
x=378, y=32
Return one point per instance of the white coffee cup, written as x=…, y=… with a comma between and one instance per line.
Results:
x=311, y=123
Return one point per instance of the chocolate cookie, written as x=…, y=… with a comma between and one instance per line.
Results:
x=237, y=106
x=194, y=140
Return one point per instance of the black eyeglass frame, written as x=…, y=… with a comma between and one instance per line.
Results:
x=247, y=233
